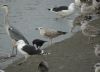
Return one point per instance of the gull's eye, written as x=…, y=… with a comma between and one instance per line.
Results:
x=40, y=28
x=10, y=28
x=97, y=65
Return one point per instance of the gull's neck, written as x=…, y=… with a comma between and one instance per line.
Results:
x=6, y=10
x=42, y=31
x=6, y=20
x=6, y=15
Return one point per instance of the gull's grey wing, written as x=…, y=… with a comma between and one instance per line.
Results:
x=16, y=34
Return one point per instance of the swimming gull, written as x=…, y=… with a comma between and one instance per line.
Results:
x=63, y=11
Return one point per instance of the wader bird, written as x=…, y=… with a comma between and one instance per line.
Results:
x=14, y=34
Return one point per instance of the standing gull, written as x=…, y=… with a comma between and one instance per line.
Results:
x=12, y=31
x=89, y=30
x=87, y=9
x=38, y=42
x=63, y=11
x=80, y=2
x=27, y=50
x=50, y=33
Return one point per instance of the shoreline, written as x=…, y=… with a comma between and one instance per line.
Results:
x=73, y=54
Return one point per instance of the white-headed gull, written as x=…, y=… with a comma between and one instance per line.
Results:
x=63, y=11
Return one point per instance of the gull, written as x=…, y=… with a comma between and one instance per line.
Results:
x=93, y=8
x=43, y=66
x=27, y=50
x=80, y=2
x=89, y=30
x=97, y=67
x=97, y=50
x=50, y=33
x=78, y=19
x=63, y=11
x=96, y=4
x=38, y=42
x=87, y=9
x=12, y=32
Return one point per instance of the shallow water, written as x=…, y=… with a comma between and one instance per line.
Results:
x=26, y=15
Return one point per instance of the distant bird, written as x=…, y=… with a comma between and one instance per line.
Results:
x=63, y=11
x=88, y=18
x=80, y=2
x=50, y=33
x=38, y=42
x=14, y=34
x=78, y=19
x=96, y=4
x=87, y=9
x=93, y=8
x=43, y=66
x=97, y=67
x=97, y=50
x=89, y=30
x=27, y=50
